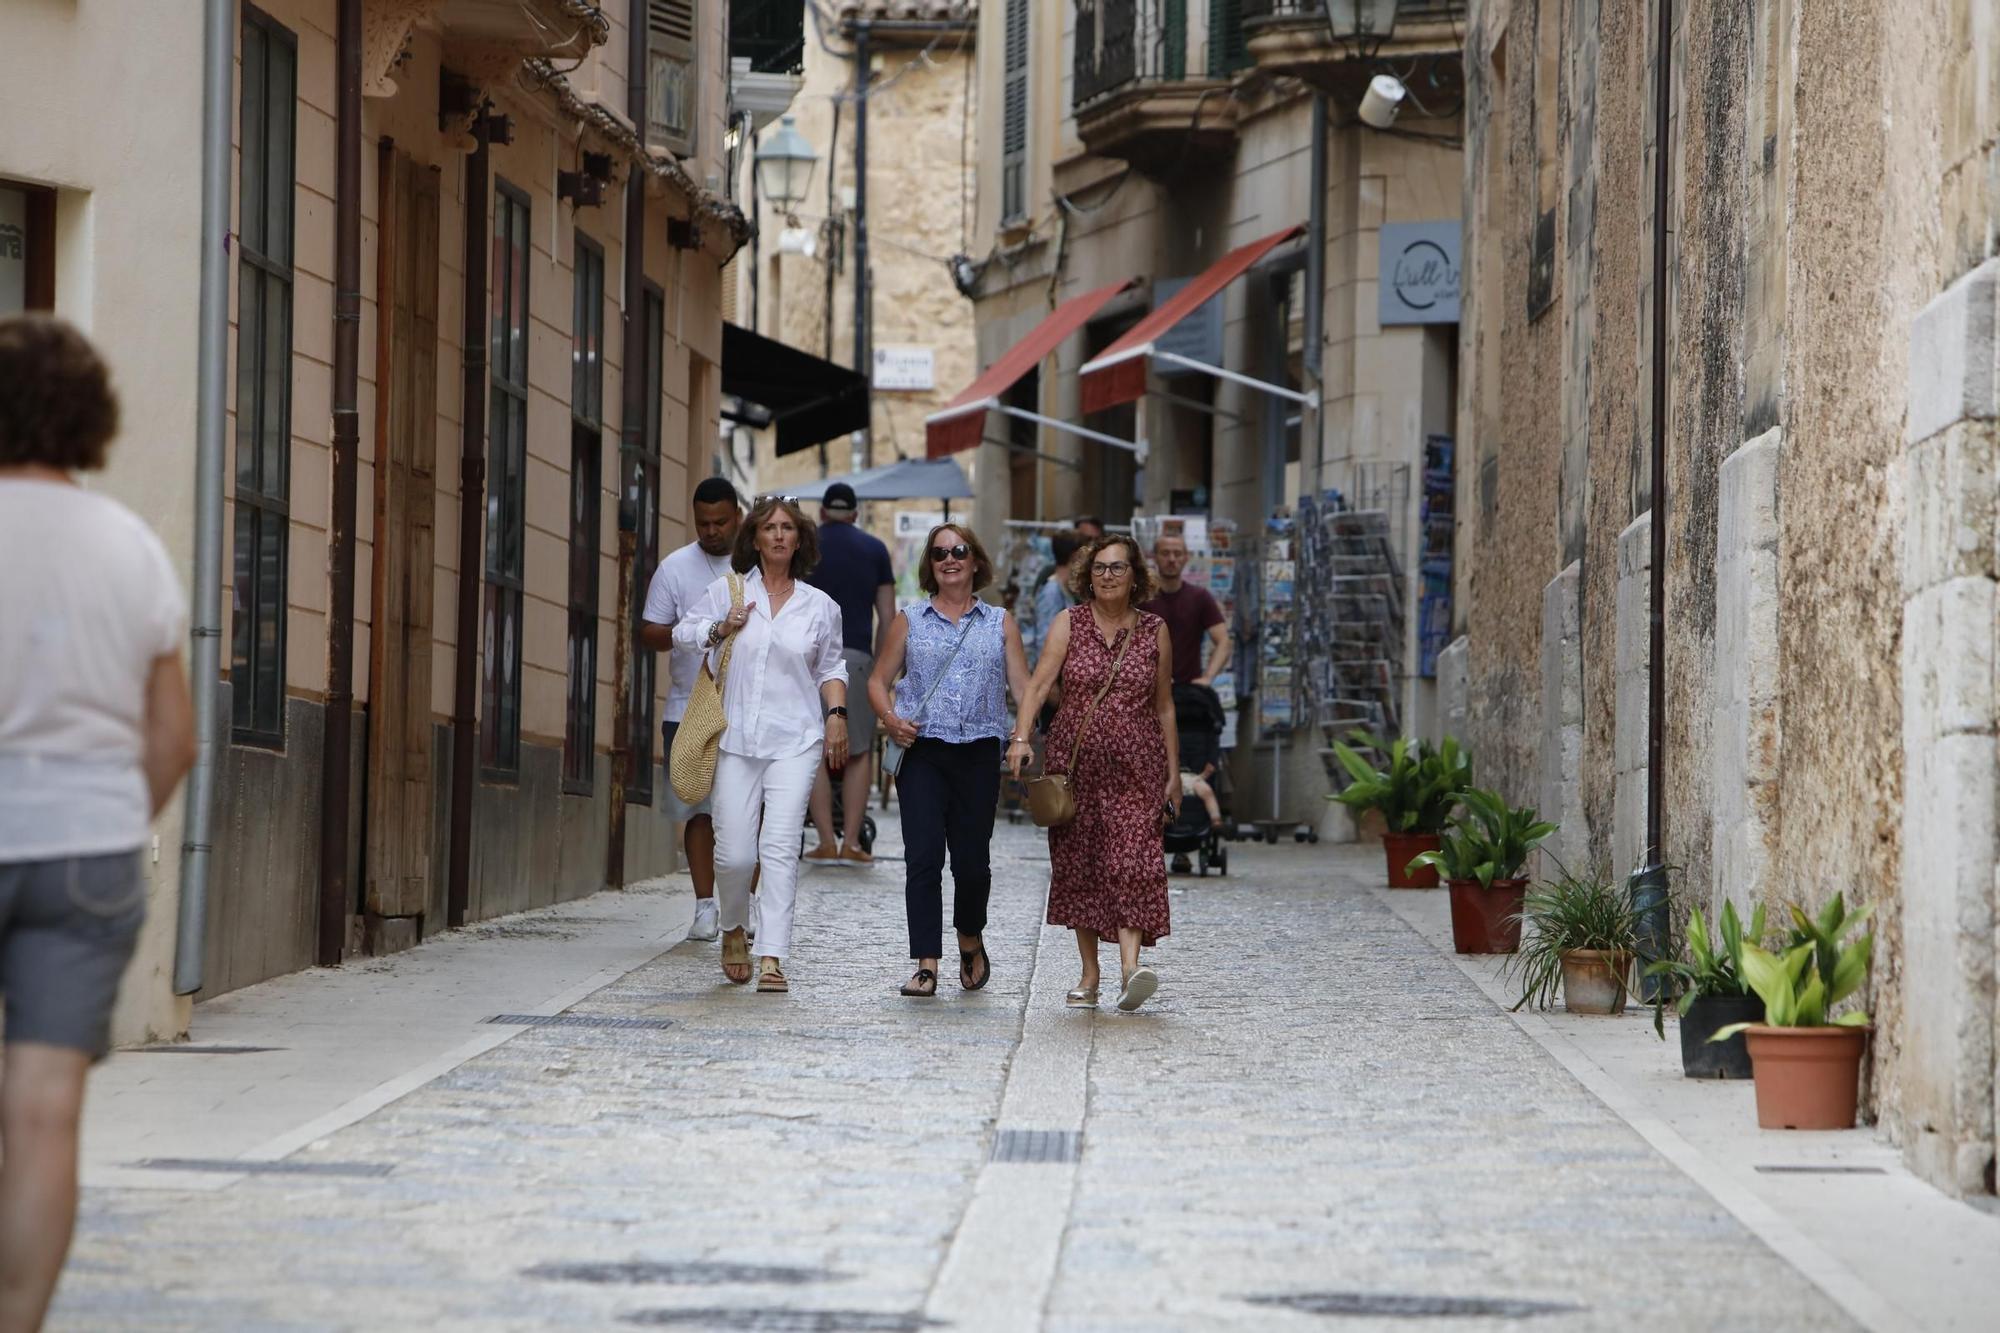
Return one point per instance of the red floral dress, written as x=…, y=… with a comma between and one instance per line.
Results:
x=1109, y=868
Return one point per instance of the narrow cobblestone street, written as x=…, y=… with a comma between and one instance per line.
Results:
x=1319, y=1112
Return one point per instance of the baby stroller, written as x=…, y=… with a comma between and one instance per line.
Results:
x=1198, y=719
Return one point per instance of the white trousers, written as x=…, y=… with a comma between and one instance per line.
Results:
x=760, y=813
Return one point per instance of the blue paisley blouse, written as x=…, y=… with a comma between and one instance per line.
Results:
x=971, y=704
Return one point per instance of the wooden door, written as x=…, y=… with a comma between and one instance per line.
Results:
x=399, y=695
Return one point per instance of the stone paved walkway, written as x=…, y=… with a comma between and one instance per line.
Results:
x=1319, y=1116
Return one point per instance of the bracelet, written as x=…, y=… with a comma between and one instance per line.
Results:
x=714, y=633
x=838, y=710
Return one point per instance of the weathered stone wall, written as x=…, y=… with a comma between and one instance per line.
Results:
x=1744, y=788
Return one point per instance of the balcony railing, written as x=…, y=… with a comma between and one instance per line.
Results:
x=1125, y=43
x=1314, y=11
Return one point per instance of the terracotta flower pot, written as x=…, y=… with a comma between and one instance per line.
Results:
x=1709, y=1014
x=1594, y=980
x=1402, y=848
x=1484, y=920
x=1807, y=1078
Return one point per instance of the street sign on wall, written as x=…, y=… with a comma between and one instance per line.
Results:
x=1420, y=273
x=905, y=368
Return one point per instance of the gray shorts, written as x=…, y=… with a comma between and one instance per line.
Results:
x=678, y=810
x=67, y=929
x=860, y=717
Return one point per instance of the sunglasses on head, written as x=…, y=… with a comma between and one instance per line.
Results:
x=943, y=553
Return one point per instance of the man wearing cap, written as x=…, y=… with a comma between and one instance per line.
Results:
x=854, y=570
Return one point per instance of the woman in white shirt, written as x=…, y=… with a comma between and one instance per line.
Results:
x=784, y=707
x=96, y=731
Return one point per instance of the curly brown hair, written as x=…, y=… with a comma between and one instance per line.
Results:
x=743, y=557
x=982, y=566
x=57, y=407
x=1080, y=583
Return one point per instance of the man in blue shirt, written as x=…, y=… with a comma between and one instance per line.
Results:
x=854, y=570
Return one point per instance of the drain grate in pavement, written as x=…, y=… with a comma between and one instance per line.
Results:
x=578, y=1021
x=235, y=1167
x=646, y=1272
x=780, y=1320
x=188, y=1048
x=1037, y=1145
x=1395, y=1305
x=1818, y=1169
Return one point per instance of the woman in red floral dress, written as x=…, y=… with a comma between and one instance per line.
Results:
x=1110, y=874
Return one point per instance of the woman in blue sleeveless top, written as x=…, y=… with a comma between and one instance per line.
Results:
x=949, y=713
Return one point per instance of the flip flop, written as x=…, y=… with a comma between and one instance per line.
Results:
x=965, y=962
x=922, y=986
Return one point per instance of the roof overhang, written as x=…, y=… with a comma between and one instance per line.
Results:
x=811, y=400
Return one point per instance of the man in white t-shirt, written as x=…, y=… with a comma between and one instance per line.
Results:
x=678, y=584
x=96, y=732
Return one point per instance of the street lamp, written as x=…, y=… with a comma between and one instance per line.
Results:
x=1360, y=20
x=784, y=167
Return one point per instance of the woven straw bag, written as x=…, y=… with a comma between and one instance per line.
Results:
x=691, y=767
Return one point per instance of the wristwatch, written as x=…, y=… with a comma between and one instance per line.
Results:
x=838, y=710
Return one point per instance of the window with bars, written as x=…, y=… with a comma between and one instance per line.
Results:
x=1014, y=111
x=672, y=90
x=263, y=380
x=506, y=489
x=586, y=476
x=642, y=491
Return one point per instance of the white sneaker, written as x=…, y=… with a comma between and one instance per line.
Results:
x=707, y=920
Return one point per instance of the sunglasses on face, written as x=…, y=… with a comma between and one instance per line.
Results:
x=1109, y=569
x=940, y=554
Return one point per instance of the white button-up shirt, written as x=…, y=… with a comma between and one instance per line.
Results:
x=770, y=700
x=677, y=585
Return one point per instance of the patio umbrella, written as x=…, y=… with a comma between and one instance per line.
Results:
x=910, y=479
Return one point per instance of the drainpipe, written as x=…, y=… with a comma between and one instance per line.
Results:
x=335, y=773
x=632, y=445
x=218, y=83
x=1315, y=314
x=1649, y=890
x=863, y=449
x=471, y=512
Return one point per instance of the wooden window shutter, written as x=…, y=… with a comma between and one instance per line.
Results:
x=1014, y=131
x=672, y=87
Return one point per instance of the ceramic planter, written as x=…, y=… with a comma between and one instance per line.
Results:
x=1702, y=1058
x=1807, y=1078
x=1486, y=920
x=1402, y=848
x=1594, y=980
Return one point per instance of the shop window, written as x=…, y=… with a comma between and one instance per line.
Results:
x=586, y=441
x=263, y=380
x=506, y=489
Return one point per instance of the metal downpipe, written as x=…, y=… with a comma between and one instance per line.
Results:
x=471, y=512
x=218, y=84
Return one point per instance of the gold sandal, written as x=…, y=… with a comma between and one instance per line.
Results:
x=1081, y=998
x=736, y=953
x=771, y=978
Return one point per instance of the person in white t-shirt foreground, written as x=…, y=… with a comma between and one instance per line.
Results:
x=784, y=709
x=678, y=584
x=96, y=732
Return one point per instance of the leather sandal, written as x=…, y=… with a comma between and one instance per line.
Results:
x=965, y=962
x=771, y=978
x=922, y=986
x=1081, y=998
x=736, y=954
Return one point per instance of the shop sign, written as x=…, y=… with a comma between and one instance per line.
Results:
x=905, y=368
x=1198, y=337
x=1420, y=273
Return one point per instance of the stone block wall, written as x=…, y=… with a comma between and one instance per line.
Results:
x=1561, y=797
x=1746, y=737
x=1945, y=1110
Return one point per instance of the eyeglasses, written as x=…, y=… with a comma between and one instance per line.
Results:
x=1109, y=569
x=940, y=554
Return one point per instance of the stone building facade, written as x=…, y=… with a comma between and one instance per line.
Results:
x=1152, y=169
x=922, y=109
x=578, y=492
x=1829, y=717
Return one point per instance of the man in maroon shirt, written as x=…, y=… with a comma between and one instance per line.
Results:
x=1195, y=625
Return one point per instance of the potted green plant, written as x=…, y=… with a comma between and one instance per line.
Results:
x=1713, y=994
x=1481, y=859
x=1415, y=794
x=1584, y=934
x=1807, y=1065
